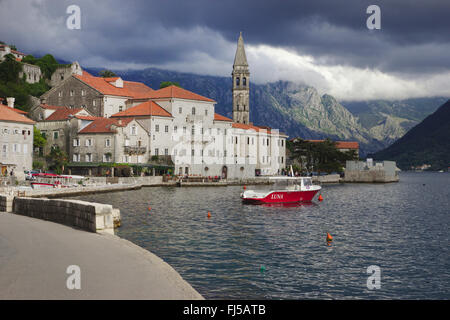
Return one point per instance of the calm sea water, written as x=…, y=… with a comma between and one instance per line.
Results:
x=263, y=252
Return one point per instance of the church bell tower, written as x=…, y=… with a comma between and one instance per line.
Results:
x=241, y=85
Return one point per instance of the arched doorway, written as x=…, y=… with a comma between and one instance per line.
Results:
x=224, y=172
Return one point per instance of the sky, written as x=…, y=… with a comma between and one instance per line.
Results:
x=322, y=43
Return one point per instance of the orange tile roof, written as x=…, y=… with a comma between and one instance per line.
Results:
x=341, y=144
x=347, y=145
x=8, y=114
x=103, y=125
x=177, y=92
x=148, y=108
x=130, y=89
x=62, y=114
x=17, y=110
x=219, y=117
x=250, y=127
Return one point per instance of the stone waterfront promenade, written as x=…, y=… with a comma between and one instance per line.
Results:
x=35, y=255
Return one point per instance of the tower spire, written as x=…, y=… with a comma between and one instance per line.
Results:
x=240, y=59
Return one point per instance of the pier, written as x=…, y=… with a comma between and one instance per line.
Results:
x=37, y=253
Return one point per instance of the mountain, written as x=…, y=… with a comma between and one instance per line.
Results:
x=300, y=111
x=389, y=120
x=426, y=143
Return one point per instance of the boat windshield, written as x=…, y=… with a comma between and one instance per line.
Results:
x=281, y=184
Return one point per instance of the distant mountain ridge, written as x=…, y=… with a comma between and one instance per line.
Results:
x=426, y=143
x=300, y=111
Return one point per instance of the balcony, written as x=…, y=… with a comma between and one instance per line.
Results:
x=135, y=150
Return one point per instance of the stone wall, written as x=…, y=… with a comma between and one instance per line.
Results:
x=6, y=203
x=88, y=216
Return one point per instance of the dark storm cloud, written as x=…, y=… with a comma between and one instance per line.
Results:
x=414, y=36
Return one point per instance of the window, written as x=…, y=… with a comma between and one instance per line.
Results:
x=244, y=81
x=76, y=157
x=282, y=159
x=193, y=111
x=71, y=93
x=43, y=133
x=166, y=129
x=184, y=130
x=237, y=81
x=76, y=142
x=127, y=142
x=108, y=142
x=180, y=110
x=93, y=103
x=282, y=143
x=88, y=142
x=83, y=92
x=107, y=157
x=55, y=135
x=175, y=129
x=41, y=117
x=166, y=152
x=192, y=152
x=60, y=94
x=206, y=112
x=88, y=157
x=120, y=108
x=133, y=130
x=156, y=127
x=225, y=153
x=16, y=147
x=25, y=148
x=248, y=140
x=156, y=151
x=193, y=130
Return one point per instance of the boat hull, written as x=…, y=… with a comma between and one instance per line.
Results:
x=283, y=197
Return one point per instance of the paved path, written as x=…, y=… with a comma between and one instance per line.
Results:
x=34, y=256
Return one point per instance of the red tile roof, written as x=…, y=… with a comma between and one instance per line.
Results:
x=177, y=92
x=219, y=117
x=17, y=110
x=250, y=127
x=341, y=144
x=103, y=125
x=9, y=114
x=347, y=145
x=148, y=108
x=62, y=114
x=130, y=89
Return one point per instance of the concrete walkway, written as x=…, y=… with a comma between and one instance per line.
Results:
x=35, y=254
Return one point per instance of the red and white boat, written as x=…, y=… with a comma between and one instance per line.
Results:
x=283, y=190
x=50, y=180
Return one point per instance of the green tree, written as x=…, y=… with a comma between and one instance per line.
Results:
x=10, y=69
x=58, y=158
x=107, y=74
x=165, y=84
x=39, y=140
x=13, y=47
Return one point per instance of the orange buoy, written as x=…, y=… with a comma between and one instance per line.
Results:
x=329, y=237
x=245, y=187
x=149, y=208
x=209, y=214
x=320, y=197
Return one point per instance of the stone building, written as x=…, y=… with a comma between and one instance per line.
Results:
x=55, y=126
x=31, y=73
x=64, y=72
x=16, y=141
x=5, y=49
x=110, y=140
x=102, y=97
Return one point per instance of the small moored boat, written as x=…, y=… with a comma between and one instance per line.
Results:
x=283, y=190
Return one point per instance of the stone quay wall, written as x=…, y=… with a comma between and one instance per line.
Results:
x=88, y=216
x=6, y=203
